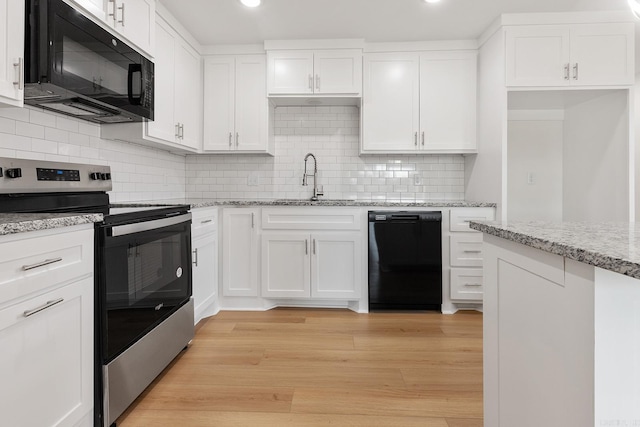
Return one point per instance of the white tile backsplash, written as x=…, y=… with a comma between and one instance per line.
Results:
x=332, y=135
x=139, y=173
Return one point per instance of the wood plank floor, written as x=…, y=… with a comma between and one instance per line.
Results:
x=312, y=367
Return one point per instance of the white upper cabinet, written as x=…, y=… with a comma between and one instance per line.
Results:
x=570, y=55
x=133, y=20
x=188, y=94
x=419, y=102
x=391, y=102
x=320, y=72
x=448, y=101
x=11, y=52
x=235, y=104
x=163, y=126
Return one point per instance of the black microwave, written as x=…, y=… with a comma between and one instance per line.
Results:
x=75, y=67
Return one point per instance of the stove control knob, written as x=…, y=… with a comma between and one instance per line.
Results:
x=103, y=176
x=94, y=176
x=14, y=173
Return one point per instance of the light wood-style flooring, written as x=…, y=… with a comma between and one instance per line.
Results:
x=312, y=367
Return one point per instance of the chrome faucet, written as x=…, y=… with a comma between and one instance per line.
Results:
x=316, y=193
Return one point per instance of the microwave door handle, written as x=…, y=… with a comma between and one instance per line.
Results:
x=134, y=68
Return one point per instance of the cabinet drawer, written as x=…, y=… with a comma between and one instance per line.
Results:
x=39, y=262
x=312, y=218
x=459, y=217
x=465, y=250
x=204, y=220
x=466, y=284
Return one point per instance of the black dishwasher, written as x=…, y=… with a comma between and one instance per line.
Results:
x=405, y=260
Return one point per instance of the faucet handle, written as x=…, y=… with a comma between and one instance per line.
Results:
x=320, y=191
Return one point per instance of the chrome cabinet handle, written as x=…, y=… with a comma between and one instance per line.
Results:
x=41, y=264
x=195, y=257
x=230, y=139
x=306, y=246
x=575, y=71
x=566, y=71
x=317, y=82
x=206, y=221
x=415, y=139
x=20, y=70
x=48, y=304
x=423, y=138
x=310, y=82
x=475, y=251
x=253, y=223
x=181, y=130
x=473, y=284
x=114, y=11
x=237, y=139
x=177, y=130
x=121, y=9
x=314, y=246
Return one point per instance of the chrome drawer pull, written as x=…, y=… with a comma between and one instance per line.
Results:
x=28, y=313
x=473, y=284
x=41, y=264
x=206, y=221
x=195, y=258
x=472, y=251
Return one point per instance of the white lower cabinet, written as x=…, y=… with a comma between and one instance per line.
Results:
x=320, y=265
x=204, y=260
x=240, y=252
x=46, y=329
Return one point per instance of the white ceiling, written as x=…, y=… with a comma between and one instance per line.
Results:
x=215, y=22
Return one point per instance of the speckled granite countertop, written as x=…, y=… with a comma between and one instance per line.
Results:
x=202, y=203
x=22, y=223
x=611, y=246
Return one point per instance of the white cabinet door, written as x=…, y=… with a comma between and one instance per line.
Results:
x=94, y=7
x=335, y=265
x=391, y=103
x=290, y=72
x=163, y=125
x=134, y=19
x=537, y=55
x=251, y=114
x=602, y=54
x=337, y=72
x=188, y=94
x=286, y=265
x=240, y=252
x=11, y=52
x=205, y=274
x=448, y=101
x=219, y=103
x=46, y=362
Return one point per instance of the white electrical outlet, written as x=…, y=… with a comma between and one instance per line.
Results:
x=530, y=178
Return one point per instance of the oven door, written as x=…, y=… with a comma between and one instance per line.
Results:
x=144, y=276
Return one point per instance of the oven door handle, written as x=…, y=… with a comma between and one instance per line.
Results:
x=121, y=230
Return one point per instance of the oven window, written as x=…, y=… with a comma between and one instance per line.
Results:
x=146, y=276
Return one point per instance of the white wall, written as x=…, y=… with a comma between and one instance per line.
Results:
x=332, y=135
x=596, y=158
x=484, y=172
x=138, y=173
x=535, y=147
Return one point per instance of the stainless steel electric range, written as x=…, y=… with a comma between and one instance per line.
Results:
x=143, y=305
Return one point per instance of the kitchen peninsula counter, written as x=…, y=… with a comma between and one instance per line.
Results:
x=561, y=324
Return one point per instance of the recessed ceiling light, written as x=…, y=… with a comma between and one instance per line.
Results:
x=251, y=3
x=432, y=1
